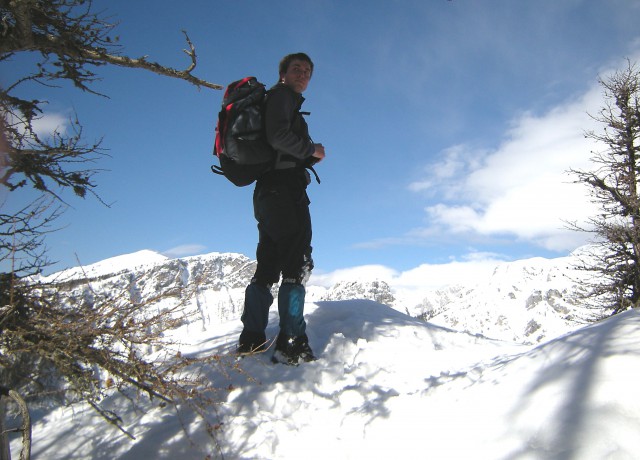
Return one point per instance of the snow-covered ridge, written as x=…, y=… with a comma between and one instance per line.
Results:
x=394, y=378
x=526, y=301
x=387, y=386
x=110, y=266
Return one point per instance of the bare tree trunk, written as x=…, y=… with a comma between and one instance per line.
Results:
x=5, y=450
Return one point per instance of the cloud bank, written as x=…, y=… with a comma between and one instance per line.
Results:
x=522, y=190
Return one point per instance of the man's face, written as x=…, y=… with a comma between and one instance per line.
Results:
x=297, y=75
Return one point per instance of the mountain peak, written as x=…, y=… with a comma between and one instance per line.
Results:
x=112, y=265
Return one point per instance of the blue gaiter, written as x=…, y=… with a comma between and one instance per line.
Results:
x=291, y=309
x=257, y=300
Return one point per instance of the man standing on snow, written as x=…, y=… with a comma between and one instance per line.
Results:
x=281, y=207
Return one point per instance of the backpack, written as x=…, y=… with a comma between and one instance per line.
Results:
x=241, y=145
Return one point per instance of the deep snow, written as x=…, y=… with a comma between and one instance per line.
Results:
x=387, y=385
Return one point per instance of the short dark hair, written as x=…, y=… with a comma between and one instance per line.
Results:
x=284, y=63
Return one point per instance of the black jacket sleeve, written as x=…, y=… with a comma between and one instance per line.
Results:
x=286, y=129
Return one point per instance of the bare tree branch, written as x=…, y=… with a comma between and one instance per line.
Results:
x=52, y=346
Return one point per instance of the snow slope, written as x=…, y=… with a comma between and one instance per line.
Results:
x=109, y=266
x=387, y=385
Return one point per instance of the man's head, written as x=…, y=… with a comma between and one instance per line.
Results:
x=295, y=71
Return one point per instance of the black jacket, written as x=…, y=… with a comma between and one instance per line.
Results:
x=286, y=129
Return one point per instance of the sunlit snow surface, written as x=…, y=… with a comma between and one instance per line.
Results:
x=387, y=385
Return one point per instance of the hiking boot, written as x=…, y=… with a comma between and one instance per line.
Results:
x=251, y=342
x=292, y=350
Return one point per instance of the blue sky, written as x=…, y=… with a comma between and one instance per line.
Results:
x=448, y=125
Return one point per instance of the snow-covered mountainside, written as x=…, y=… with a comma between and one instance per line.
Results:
x=211, y=285
x=527, y=301
x=386, y=384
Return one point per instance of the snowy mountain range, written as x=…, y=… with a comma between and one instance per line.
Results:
x=527, y=301
x=458, y=372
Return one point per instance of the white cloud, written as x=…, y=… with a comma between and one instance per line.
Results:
x=45, y=125
x=361, y=273
x=455, y=163
x=435, y=276
x=471, y=268
x=184, y=250
x=49, y=123
x=523, y=188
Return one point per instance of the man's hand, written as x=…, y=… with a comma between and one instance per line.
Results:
x=319, y=153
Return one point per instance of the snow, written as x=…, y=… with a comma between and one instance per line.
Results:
x=108, y=266
x=387, y=385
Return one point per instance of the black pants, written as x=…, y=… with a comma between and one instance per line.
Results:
x=281, y=207
x=284, y=226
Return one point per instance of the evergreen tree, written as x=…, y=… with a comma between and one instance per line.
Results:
x=613, y=184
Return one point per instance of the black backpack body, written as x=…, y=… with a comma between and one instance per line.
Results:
x=241, y=145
